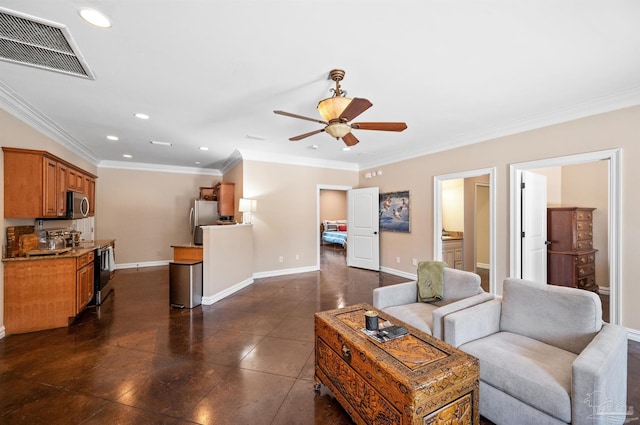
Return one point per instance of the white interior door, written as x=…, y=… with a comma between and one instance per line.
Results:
x=363, y=238
x=534, y=227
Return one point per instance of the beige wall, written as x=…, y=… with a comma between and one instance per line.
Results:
x=285, y=223
x=333, y=205
x=618, y=129
x=146, y=211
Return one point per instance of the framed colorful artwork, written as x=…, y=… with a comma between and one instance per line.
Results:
x=395, y=212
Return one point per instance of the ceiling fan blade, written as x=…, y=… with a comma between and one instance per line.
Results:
x=355, y=108
x=305, y=135
x=289, y=114
x=384, y=126
x=349, y=139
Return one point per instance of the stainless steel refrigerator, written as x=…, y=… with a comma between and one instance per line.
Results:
x=202, y=213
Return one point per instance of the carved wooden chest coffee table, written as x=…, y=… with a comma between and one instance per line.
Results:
x=414, y=379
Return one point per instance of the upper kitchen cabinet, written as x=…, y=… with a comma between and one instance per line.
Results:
x=223, y=192
x=36, y=183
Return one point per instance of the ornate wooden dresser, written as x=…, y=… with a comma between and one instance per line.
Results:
x=570, y=254
x=414, y=379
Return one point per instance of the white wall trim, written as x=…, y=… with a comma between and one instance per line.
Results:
x=400, y=273
x=279, y=158
x=140, y=166
x=142, y=264
x=208, y=300
x=283, y=272
x=614, y=156
x=633, y=334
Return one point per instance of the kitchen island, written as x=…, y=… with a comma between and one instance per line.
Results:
x=48, y=291
x=227, y=260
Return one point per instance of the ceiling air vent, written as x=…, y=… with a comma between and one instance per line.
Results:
x=35, y=42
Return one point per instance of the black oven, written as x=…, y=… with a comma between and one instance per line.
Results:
x=102, y=273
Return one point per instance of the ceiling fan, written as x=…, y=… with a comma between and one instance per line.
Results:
x=338, y=110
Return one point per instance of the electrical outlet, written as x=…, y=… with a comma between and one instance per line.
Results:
x=281, y=259
x=297, y=256
x=414, y=262
x=398, y=260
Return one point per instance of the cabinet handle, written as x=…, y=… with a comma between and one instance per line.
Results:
x=346, y=353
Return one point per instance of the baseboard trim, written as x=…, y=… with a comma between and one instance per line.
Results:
x=283, y=272
x=2, y=334
x=604, y=290
x=208, y=300
x=399, y=273
x=141, y=265
x=633, y=334
x=483, y=266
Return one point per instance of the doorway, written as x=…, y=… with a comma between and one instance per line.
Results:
x=438, y=204
x=614, y=212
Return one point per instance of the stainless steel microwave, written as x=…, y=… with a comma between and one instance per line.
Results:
x=77, y=205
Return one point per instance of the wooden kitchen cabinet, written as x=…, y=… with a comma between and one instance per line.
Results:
x=46, y=292
x=84, y=280
x=36, y=182
x=223, y=192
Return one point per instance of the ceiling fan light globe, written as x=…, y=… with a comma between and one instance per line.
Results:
x=338, y=130
x=332, y=107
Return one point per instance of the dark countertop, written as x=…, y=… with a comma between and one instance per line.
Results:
x=82, y=248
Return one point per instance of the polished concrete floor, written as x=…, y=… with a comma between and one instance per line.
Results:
x=247, y=359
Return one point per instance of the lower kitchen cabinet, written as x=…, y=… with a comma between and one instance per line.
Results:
x=46, y=293
x=84, y=280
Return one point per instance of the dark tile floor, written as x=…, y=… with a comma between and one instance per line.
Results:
x=247, y=359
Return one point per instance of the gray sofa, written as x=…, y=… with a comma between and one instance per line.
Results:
x=545, y=355
x=461, y=289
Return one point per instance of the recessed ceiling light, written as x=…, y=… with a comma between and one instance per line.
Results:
x=197, y=162
x=141, y=116
x=126, y=155
x=204, y=148
x=155, y=142
x=313, y=147
x=114, y=138
x=95, y=17
x=346, y=149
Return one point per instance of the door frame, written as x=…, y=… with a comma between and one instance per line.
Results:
x=437, y=216
x=475, y=223
x=614, y=156
x=320, y=187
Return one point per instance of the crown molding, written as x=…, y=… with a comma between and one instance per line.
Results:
x=21, y=109
x=297, y=160
x=140, y=166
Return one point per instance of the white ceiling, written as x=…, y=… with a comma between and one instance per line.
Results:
x=210, y=73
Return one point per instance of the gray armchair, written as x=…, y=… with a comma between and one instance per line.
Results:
x=461, y=289
x=545, y=355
